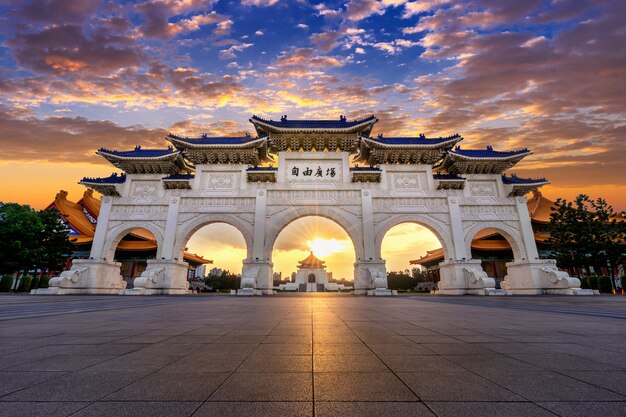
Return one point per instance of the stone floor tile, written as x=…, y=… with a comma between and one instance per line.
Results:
x=482, y=409
x=455, y=386
x=255, y=409
x=586, y=409
x=491, y=362
x=610, y=380
x=139, y=409
x=277, y=363
x=15, y=381
x=361, y=387
x=248, y=386
x=348, y=363
x=371, y=409
x=62, y=363
x=341, y=349
x=456, y=348
x=550, y=386
x=283, y=349
x=76, y=386
x=170, y=386
x=40, y=409
x=437, y=338
x=416, y=363
x=400, y=349
x=561, y=361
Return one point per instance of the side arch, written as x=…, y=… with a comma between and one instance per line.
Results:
x=352, y=226
x=184, y=232
x=117, y=233
x=440, y=231
x=511, y=235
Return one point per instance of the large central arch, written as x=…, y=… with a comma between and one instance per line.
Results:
x=350, y=224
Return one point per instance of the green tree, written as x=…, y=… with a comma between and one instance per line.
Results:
x=55, y=247
x=20, y=228
x=401, y=280
x=585, y=232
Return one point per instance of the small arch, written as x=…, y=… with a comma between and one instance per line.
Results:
x=511, y=235
x=423, y=220
x=186, y=232
x=311, y=278
x=116, y=234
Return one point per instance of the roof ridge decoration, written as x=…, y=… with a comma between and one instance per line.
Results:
x=404, y=149
x=482, y=161
x=146, y=161
x=522, y=186
x=309, y=134
x=223, y=149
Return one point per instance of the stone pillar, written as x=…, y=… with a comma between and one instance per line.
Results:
x=464, y=277
x=161, y=277
x=171, y=226
x=370, y=272
x=257, y=275
x=529, y=251
x=87, y=276
x=458, y=250
x=540, y=276
x=100, y=236
x=370, y=277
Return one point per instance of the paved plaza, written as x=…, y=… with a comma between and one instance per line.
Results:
x=312, y=355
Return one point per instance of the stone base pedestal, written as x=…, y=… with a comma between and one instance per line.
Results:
x=370, y=276
x=258, y=276
x=162, y=277
x=381, y=292
x=464, y=277
x=87, y=276
x=540, y=276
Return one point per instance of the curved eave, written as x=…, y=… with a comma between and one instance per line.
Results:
x=365, y=126
x=460, y=157
x=113, y=157
x=253, y=143
x=529, y=184
x=373, y=143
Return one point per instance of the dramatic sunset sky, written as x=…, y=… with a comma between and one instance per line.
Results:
x=79, y=75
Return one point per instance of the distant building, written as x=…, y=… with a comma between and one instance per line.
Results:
x=215, y=272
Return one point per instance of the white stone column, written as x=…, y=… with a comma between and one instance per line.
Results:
x=97, y=246
x=457, y=250
x=459, y=274
x=171, y=226
x=370, y=272
x=257, y=273
x=528, y=236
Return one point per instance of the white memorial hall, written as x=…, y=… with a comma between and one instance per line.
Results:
x=330, y=168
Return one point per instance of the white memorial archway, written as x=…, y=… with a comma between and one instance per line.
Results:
x=328, y=168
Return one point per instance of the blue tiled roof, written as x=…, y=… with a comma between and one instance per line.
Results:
x=448, y=177
x=138, y=152
x=262, y=169
x=514, y=179
x=420, y=140
x=360, y=169
x=179, y=177
x=113, y=179
x=488, y=152
x=342, y=123
x=215, y=140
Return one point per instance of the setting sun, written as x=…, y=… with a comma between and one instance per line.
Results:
x=324, y=247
